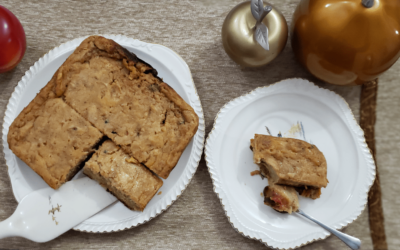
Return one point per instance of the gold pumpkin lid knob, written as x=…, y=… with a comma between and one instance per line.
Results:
x=254, y=33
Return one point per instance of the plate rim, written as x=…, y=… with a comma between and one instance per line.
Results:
x=246, y=97
x=198, y=139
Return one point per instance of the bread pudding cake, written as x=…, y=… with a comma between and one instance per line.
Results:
x=102, y=90
x=281, y=198
x=52, y=138
x=292, y=162
x=123, y=176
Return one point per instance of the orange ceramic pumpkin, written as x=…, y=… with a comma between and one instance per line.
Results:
x=346, y=42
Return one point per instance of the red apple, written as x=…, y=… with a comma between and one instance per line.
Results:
x=12, y=40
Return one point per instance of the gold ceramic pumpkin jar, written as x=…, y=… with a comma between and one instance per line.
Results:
x=346, y=42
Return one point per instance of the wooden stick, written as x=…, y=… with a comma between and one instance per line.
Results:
x=368, y=98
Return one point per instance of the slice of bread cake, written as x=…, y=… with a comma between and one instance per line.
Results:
x=292, y=162
x=123, y=176
x=52, y=139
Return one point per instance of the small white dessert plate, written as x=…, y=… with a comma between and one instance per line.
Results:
x=299, y=109
x=174, y=71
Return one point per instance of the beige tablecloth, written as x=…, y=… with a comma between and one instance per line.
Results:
x=192, y=29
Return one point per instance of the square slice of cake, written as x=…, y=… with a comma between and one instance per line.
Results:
x=123, y=97
x=123, y=176
x=292, y=162
x=281, y=198
x=52, y=139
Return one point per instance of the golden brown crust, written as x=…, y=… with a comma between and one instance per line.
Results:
x=27, y=114
x=130, y=182
x=52, y=139
x=288, y=161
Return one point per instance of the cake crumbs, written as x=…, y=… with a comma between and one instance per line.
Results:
x=132, y=160
x=54, y=209
x=255, y=172
x=159, y=193
x=295, y=129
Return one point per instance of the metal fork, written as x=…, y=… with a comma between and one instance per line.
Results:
x=350, y=241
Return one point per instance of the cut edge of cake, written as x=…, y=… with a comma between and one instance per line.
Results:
x=95, y=169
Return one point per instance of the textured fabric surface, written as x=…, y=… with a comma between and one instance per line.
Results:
x=368, y=98
x=192, y=29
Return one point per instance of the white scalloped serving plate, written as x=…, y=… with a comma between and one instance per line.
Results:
x=174, y=71
x=327, y=122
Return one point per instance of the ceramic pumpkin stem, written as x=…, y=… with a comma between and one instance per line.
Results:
x=368, y=3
